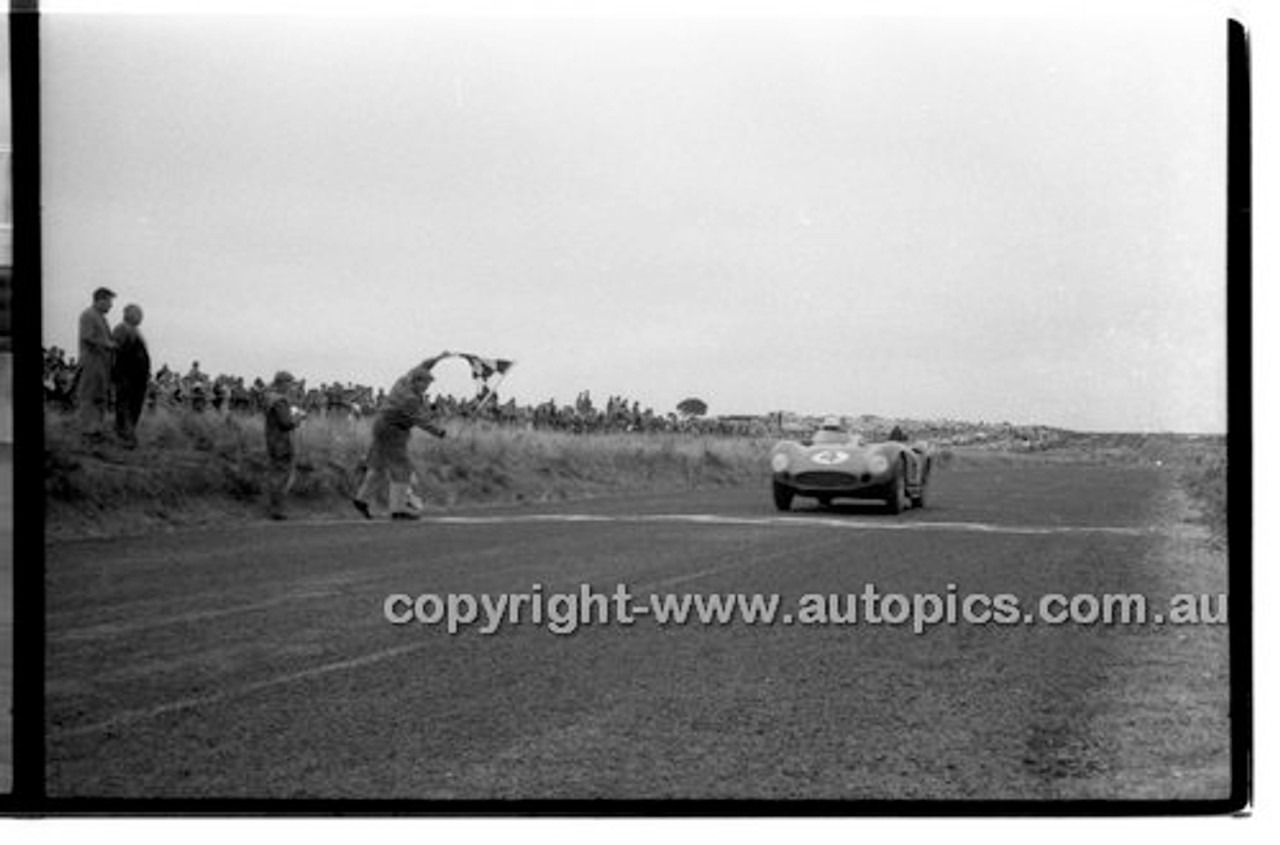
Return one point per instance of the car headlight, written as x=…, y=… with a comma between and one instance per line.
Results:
x=877, y=464
x=781, y=462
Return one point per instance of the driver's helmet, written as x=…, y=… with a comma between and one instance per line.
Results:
x=831, y=431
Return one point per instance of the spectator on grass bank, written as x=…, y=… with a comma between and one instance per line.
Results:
x=196, y=387
x=96, y=347
x=282, y=419
x=405, y=408
x=130, y=374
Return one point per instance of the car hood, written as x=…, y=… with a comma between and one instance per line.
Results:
x=834, y=457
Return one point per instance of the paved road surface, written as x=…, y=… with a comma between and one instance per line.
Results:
x=257, y=661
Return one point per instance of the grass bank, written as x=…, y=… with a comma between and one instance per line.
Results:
x=192, y=469
x=1199, y=463
x=1204, y=476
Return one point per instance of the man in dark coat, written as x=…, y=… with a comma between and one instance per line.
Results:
x=130, y=374
x=94, y=381
x=282, y=419
x=405, y=409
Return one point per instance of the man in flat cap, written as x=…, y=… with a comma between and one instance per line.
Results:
x=404, y=409
x=96, y=348
x=282, y=418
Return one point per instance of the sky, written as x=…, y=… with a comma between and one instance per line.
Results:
x=6, y=143
x=982, y=218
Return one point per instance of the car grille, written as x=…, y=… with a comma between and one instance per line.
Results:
x=831, y=480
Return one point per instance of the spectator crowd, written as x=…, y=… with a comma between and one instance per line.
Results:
x=197, y=391
x=113, y=374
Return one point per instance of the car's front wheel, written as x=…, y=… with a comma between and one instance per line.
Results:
x=782, y=496
x=896, y=501
x=917, y=501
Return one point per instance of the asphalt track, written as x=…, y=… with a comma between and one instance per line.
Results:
x=256, y=661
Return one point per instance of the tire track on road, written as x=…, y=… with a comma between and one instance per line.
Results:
x=321, y=588
x=192, y=702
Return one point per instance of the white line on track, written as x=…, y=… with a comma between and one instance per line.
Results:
x=129, y=716
x=842, y=523
x=132, y=625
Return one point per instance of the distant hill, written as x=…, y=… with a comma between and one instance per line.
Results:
x=998, y=436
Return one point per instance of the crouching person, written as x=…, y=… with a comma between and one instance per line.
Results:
x=405, y=409
x=282, y=419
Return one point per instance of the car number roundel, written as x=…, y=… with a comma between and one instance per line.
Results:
x=828, y=457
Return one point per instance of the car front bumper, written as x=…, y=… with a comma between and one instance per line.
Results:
x=831, y=483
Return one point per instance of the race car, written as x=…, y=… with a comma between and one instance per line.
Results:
x=835, y=464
